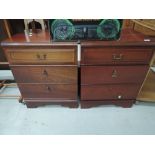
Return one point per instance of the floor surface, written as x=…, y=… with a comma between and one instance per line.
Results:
x=16, y=118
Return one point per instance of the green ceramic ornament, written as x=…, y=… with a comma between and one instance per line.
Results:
x=62, y=29
x=108, y=29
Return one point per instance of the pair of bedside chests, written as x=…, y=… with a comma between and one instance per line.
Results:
x=100, y=72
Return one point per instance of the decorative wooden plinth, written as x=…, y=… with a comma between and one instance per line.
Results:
x=21, y=99
x=122, y=103
x=35, y=104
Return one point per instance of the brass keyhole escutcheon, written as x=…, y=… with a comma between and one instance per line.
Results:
x=114, y=74
x=45, y=73
x=48, y=88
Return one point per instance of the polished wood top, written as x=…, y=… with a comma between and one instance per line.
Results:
x=39, y=38
x=42, y=38
x=128, y=37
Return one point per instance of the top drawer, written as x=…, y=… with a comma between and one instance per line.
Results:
x=42, y=56
x=101, y=55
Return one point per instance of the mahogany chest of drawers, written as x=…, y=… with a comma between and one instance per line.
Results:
x=110, y=72
x=45, y=73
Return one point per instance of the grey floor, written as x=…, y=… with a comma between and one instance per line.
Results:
x=16, y=118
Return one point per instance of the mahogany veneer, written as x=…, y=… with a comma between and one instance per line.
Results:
x=58, y=55
x=45, y=72
x=115, y=55
x=49, y=91
x=111, y=72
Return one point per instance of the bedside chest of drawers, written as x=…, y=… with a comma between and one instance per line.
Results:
x=112, y=72
x=46, y=72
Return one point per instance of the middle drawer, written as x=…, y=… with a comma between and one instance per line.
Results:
x=45, y=74
x=112, y=74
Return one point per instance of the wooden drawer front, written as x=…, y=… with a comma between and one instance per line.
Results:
x=48, y=91
x=45, y=74
x=115, y=56
x=109, y=92
x=42, y=56
x=112, y=74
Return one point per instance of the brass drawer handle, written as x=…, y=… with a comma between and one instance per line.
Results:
x=117, y=56
x=45, y=73
x=38, y=56
x=43, y=57
x=114, y=74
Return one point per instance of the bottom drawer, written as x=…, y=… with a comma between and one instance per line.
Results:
x=49, y=91
x=109, y=92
